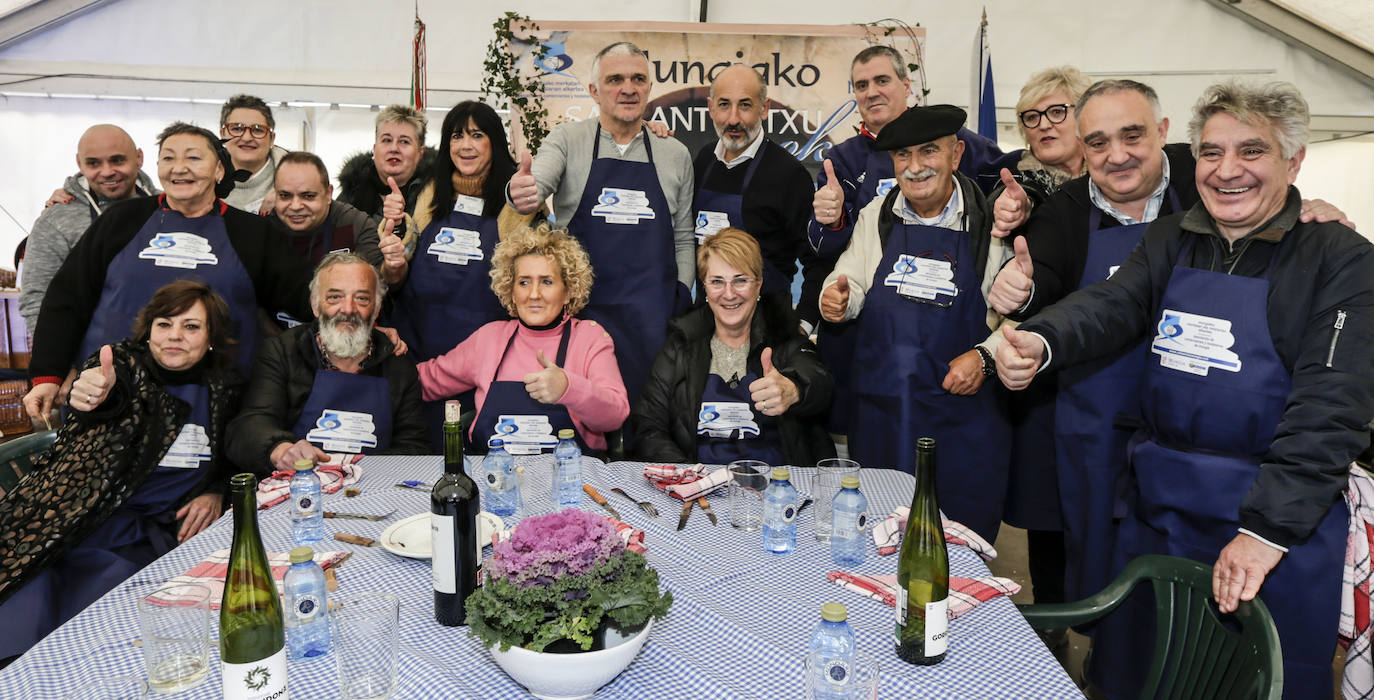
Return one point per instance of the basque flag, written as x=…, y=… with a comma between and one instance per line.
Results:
x=984, y=104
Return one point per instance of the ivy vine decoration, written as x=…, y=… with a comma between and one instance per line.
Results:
x=503, y=80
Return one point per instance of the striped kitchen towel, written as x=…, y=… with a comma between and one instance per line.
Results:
x=964, y=593
x=887, y=534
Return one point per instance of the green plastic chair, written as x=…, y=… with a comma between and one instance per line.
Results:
x=1195, y=655
x=17, y=455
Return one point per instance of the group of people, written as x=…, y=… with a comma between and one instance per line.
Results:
x=1121, y=344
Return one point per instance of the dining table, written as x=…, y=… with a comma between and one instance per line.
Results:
x=739, y=626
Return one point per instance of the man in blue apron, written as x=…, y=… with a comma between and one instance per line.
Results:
x=1257, y=389
x=914, y=276
x=627, y=197
x=748, y=182
x=315, y=222
x=333, y=385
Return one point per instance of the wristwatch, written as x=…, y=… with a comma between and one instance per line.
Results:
x=989, y=367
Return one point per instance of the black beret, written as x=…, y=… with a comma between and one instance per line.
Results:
x=920, y=125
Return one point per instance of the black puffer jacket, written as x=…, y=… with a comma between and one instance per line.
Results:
x=665, y=417
x=360, y=186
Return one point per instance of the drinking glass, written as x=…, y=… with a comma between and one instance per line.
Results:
x=824, y=486
x=858, y=682
x=366, y=642
x=174, y=621
x=748, y=479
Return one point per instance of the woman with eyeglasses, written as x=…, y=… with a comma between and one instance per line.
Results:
x=734, y=379
x=246, y=121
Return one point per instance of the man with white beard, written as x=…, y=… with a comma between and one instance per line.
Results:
x=748, y=182
x=334, y=385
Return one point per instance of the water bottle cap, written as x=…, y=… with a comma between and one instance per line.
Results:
x=303, y=465
x=849, y=482
x=781, y=474
x=302, y=554
x=834, y=612
x=566, y=434
x=496, y=442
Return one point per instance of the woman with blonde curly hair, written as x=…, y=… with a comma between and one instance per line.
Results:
x=544, y=370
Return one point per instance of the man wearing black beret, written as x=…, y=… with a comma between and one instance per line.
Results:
x=915, y=276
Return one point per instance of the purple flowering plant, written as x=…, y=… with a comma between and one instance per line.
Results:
x=563, y=576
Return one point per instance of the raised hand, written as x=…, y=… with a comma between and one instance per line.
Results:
x=1012, y=207
x=1018, y=358
x=93, y=385
x=1012, y=288
x=524, y=191
x=285, y=454
x=547, y=385
x=658, y=129
x=393, y=253
x=394, y=205
x=772, y=393
x=828, y=203
x=835, y=300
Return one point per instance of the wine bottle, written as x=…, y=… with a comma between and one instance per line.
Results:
x=923, y=571
x=453, y=507
x=252, y=640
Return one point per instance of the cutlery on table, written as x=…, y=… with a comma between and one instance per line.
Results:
x=600, y=500
x=645, y=506
x=359, y=516
x=354, y=539
x=706, y=507
x=417, y=485
x=686, y=511
x=803, y=506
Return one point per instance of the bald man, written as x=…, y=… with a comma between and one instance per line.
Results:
x=109, y=169
x=748, y=182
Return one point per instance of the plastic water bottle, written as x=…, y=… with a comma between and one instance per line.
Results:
x=567, y=470
x=779, y=514
x=503, y=485
x=848, y=518
x=832, y=650
x=307, y=512
x=307, y=606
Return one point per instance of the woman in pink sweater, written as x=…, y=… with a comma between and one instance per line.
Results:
x=544, y=370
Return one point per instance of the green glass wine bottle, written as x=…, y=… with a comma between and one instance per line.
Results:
x=923, y=571
x=252, y=641
x=453, y=507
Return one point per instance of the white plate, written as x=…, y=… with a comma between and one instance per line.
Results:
x=410, y=537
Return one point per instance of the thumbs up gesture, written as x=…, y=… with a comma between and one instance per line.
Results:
x=772, y=393
x=394, y=204
x=547, y=385
x=828, y=203
x=1012, y=207
x=1019, y=357
x=94, y=385
x=393, y=253
x=1012, y=288
x=835, y=300
x=524, y=191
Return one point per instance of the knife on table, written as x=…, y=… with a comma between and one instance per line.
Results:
x=686, y=512
x=600, y=500
x=706, y=507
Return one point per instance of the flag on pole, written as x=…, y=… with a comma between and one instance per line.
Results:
x=418, y=85
x=983, y=103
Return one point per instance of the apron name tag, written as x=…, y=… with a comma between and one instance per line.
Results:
x=709, y=223
x=456, y=246
x=343, y=431
x=621, y=206
x=720, y=419
x=885, y=185
x=179, y=249
x=526, y=435
x=191, y=447
x=922, y=278
x=464, y=204
x=1193, y=343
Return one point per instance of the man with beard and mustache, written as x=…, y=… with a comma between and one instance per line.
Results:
x=915, y=275
x=332, y=385
x=748, y=182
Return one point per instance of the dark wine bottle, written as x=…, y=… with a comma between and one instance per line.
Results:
x=252, y=640
x=923, y=571
x=453, y=507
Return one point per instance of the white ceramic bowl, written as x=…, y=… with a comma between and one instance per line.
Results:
x=569, y=676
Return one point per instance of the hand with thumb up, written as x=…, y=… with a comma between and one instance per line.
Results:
x=828, y=203
x=835, y=300
x=524, y=191
x=1012, y=207
x=1012, y=288
x=1018, y=357
x=772, y=393
x=94, y=384
x=547, y=385
x=394, y=204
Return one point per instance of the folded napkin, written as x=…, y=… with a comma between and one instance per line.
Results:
x=685, y=483
x=964, y=593
x=211, y=573
x=1356, y=633
x=888, y=535
x=341, y=470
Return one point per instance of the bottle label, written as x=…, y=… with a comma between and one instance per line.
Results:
x=937, y=627
x=264, y=679
x=442, y=561
x=306, y=607
x=305, y=505
x=901, y=606
x=789, y=512
x=837, y=671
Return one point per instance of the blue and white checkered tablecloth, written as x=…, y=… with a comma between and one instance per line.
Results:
x=739, y=627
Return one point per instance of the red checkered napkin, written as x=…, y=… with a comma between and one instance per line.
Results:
x=684, y=483
x=341, y=470
x=888, y=535
x=211, y=572
x=965, y=594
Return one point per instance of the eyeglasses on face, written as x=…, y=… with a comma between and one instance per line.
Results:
x=1055, y=113
x=739, y=284
x=237, y=128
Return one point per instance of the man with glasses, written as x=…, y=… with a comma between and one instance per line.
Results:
x=246, y=121
x=914, y=276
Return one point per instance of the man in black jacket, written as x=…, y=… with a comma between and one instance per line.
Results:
x=333, y=385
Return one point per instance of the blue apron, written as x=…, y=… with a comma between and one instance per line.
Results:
x=508, y=410
x=447, y=294
x=1197, y=457
x=170, y=247
x=624, y=223
x=901, y=359
x=729, y=429
x=142, y=529
x=835, y=341
x=1032, y=490
x=346, y=412
x=717, y=210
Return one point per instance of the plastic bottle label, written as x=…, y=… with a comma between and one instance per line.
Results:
x=443, y=565
x=264, y=679
x=937, y=627
x=306, y=607
x=305, y=505
x=837, y=671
